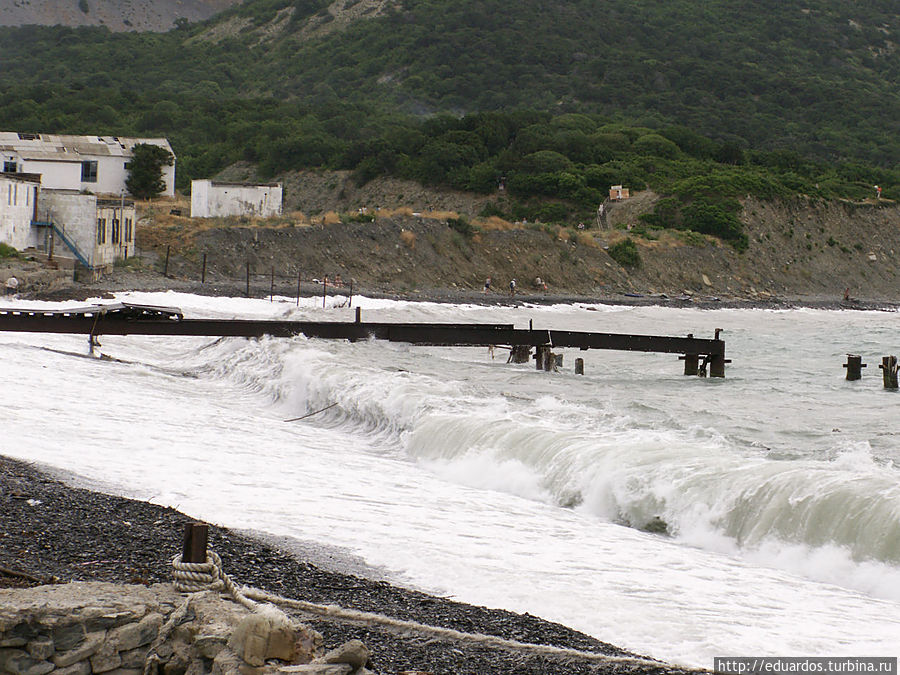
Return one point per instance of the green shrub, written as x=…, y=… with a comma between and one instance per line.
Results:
x=461, y=225
x=625, y=253
x=7, y=251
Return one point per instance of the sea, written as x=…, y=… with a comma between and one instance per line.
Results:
x=773, y=494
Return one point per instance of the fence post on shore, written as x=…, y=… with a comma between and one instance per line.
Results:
x=299, y=277
x=324, y=290
x=196, y=536
x=248, y=278
x=203, y=273
x=889, y=371
x=166, y=270
x=579, y=366
x=272, y=287
x=350, y=303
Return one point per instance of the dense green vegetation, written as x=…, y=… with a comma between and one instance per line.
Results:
x=145, y=170
x=705, y=102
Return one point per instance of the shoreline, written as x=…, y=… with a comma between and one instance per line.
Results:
x=59, y=532
x=124, y=281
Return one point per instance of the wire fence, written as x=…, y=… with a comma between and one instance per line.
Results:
x=278, y=282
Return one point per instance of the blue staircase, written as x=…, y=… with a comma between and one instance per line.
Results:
x=68, y=242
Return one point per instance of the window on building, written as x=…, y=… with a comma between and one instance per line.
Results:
x=101, y=230
x=129, y=230
x=115, y=231
x=89, y=172
x=10, y=167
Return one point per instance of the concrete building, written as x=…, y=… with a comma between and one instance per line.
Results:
x=18, y=205
x=97, y=164
x=210, y=199
x=94, y=230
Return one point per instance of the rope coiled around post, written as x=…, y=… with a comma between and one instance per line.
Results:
x=207, y=576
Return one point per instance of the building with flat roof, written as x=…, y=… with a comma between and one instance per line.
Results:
x=97, y=164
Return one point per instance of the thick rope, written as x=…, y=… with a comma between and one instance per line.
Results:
x=207, y=576
x=196, y=577
x=335, y=612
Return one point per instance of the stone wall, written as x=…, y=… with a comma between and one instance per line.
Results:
x=85, y=628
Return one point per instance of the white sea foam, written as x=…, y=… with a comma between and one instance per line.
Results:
x=510, y=487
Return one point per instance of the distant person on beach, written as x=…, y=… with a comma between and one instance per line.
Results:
x=12, y=286
x=487, y=284
x=512, y=287
x=877, y=192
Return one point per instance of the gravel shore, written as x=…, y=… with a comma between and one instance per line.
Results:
x=54, y=531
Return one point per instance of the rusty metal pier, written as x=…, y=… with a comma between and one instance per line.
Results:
x=131, y=319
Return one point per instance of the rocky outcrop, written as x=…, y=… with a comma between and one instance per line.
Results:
x=85, y=628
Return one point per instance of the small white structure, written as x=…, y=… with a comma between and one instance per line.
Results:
x=210, y=199
x=18, y=206
x=97, y=164
x=94, y=230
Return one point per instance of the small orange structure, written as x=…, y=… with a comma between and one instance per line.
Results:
x=617, y=193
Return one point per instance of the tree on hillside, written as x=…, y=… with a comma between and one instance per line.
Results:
x=145, y=178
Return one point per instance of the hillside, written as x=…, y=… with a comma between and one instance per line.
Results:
x=116, y=15
x=798, y=247
x=818, y=80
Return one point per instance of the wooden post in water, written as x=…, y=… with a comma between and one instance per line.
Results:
x=203, y=273
x=358, y=314
x=889, y=371
x=196, y=536
x=579, y=366
x=854, y=367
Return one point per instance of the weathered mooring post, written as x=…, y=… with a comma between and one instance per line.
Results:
x=203, y=272
x=519, y=354
x=854, y=365
x=579, y=366
x=196, y=536
x=889, y=371
x=540, y=356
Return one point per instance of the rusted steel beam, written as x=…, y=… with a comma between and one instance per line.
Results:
x=130, y=320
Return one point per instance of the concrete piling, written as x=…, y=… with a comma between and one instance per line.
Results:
x=579, y=366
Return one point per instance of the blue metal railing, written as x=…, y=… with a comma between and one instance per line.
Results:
x=68, y=242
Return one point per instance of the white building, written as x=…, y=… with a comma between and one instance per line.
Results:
x=94, y=230
x=18, y=206
x=210, y=199
x=97, y=164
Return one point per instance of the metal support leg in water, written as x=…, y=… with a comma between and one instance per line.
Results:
x=854, y=365
x=540, y=356
x=691, y=363
x=519, y=354
x=889, y=371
